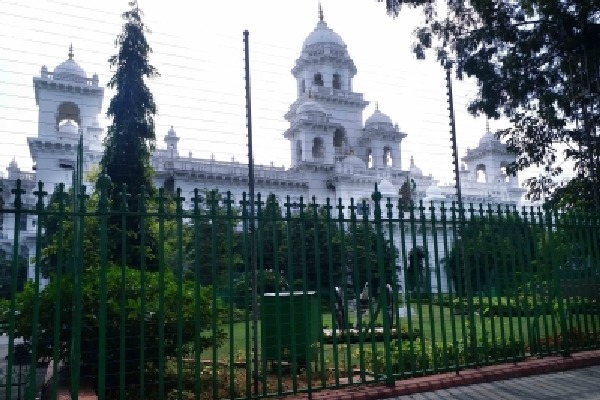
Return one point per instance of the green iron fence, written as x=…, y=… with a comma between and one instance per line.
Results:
x=156, y=302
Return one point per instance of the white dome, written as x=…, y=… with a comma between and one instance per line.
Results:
x=322, y=34
x=434, y=192
x=386, y=188
x=487, y=139
x=310, y=106
x=69, y=71
x=354, y=162
x=68, y=127
x=378, y=118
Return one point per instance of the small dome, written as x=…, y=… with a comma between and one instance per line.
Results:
x=171, y=132
x=69, y=70
x=13, y=164
x=378, y=118
x=310, y=106
x=434, y=192
x=68, y=127
x=386, y=188
x=488, y=139
x=322, y=34
x=354, y=162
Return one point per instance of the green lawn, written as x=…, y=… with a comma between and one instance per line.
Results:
x=437, y=325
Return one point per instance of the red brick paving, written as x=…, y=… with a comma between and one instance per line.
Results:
x=528, y=367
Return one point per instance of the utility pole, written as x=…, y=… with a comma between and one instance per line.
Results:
x=461, y=210
x=252, y=216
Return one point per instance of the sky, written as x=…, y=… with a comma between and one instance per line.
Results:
x=198, y=51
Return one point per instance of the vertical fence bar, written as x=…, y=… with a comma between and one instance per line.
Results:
x=381, y=301
x=407, y=297
x=417, y=283
x=552, y=220
x=317, y=243
x=142, y=212
x=18, y=204
x=427, y=285
x=229, y=226
x=506, y=266
x=122, y=298
x=335, y=327
x=161, y=293
x=179, y=278
x=519, y=260
x=291, y=273
x=493, y=297
x=529, y=281
x=103, y=183
x=78, y=234
x=61, y=197
x=499, y=266
x=212, y=204
x=550, y=288
x=460, y=281
x=594, y=247
x=440, y=296
x=347, y=269
x=394, y=322
x=32, y=384
x=197, y=304
x=455, y=352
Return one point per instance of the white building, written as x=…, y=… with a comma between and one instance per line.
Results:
x=333, y=153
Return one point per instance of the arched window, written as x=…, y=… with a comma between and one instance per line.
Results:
x=299, y=150
x=68, y=111
x=387, y=156
x=504, y=171
x=481, y=173
x=337, y=81
x=318, y=79
x=303, y=86
x=339, y=141
x=369, y=158
x=317, y=149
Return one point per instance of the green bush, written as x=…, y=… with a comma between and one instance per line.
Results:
x=60, y=291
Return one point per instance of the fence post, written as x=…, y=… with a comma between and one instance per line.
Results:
x=376, y=197
x=103, y=184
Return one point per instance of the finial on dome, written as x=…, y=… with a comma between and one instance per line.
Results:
x=376, y=106
x=487, y=125
x=320, y=12
x=412, y=161
x=71, y=51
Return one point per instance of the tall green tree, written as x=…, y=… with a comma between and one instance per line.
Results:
x=536, y=62
x=494, y=251
x=131, y=135
x=6, y=273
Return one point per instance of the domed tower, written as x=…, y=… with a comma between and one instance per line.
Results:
x=324, y=73
x=69, y=104
x=311, y=135
x=488, y=161
x=486, y=171
x=380, y=143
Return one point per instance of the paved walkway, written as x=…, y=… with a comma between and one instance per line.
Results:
x=573, y=377
x=578, y=384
